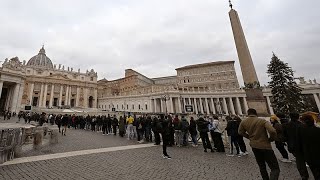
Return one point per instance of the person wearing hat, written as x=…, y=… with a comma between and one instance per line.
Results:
x=279, y=141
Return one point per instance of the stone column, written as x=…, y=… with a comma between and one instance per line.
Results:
x=60, y=96
x=95, y=98
x=184, y=102
x=195, y=105
x=179, y=105
x=238, y=106
x=207, y=106
x=201, y=105
x=224, y=104
x=20, y=94
x=162, y=105
x=31, y=93
x=70, y=95
x=1, y=85
x=77, y=96
x=14, y=102
x=51, y=96
x=245, y=105
x=171, y=104
x=213, y=106
x=85, y=98
x=9, y=99
x=269, y=105
x=231, y=106
x=189, y=102
x=66, y=96
x=155, y=104
x=41, y=96
x=45, y=95
x=316, y=98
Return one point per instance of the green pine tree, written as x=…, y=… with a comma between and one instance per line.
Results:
x=286, y=93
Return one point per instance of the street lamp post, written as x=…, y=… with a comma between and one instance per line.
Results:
x=164, y=98
x=218, y=104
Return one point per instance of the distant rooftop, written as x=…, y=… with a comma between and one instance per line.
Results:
x=205, y=64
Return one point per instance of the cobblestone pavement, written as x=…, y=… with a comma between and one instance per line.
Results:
x=142, y=163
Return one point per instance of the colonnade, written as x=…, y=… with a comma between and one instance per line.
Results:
x=175, y=103
x=64, y=95
x=204, y=105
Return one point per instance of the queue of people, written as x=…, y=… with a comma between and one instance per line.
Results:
x=297, y=133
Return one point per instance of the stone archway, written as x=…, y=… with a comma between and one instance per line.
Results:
x=90, y=102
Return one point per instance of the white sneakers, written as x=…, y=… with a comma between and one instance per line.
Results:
x=285, y=160
x=166, y=157
x=243, y=153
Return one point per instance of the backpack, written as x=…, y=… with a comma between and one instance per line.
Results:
x=184, y=125
x=159, y=126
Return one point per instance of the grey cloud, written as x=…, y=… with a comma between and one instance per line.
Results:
x=155, y=37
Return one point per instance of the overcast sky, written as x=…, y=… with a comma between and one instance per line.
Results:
x=155, y=37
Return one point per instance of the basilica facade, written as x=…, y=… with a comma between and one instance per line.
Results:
x=42, y=84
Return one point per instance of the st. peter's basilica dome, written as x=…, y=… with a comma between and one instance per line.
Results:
x=40, y=60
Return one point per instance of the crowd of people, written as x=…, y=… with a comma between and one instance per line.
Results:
x=299, y=133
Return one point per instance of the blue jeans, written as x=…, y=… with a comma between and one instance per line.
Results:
x=194, y=139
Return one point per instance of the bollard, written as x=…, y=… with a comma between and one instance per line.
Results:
x=54, y=136
x=17, y=151
x=38, y=136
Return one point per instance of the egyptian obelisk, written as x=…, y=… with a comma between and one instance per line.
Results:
x=254, y=94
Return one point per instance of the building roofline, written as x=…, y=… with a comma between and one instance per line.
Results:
x=205, y=64
x=157, y=78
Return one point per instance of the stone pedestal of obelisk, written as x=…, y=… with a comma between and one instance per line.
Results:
x=254, y=94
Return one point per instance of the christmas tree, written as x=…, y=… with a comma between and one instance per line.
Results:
x=286, y=93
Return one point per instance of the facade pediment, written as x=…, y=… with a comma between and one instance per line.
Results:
x=59, y=76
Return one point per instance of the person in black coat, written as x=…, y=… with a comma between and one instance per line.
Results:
x=290, y=134
x=232, y=131
x=171, y=129
x=165, y=133
x=115, y=123
x=203, y=129
x=64, y=123
x=109, y=123
x=58, y=122
x=156, y=128
x=193, y=131
x=309, y=142
x=148, y=126
x=104, y=125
